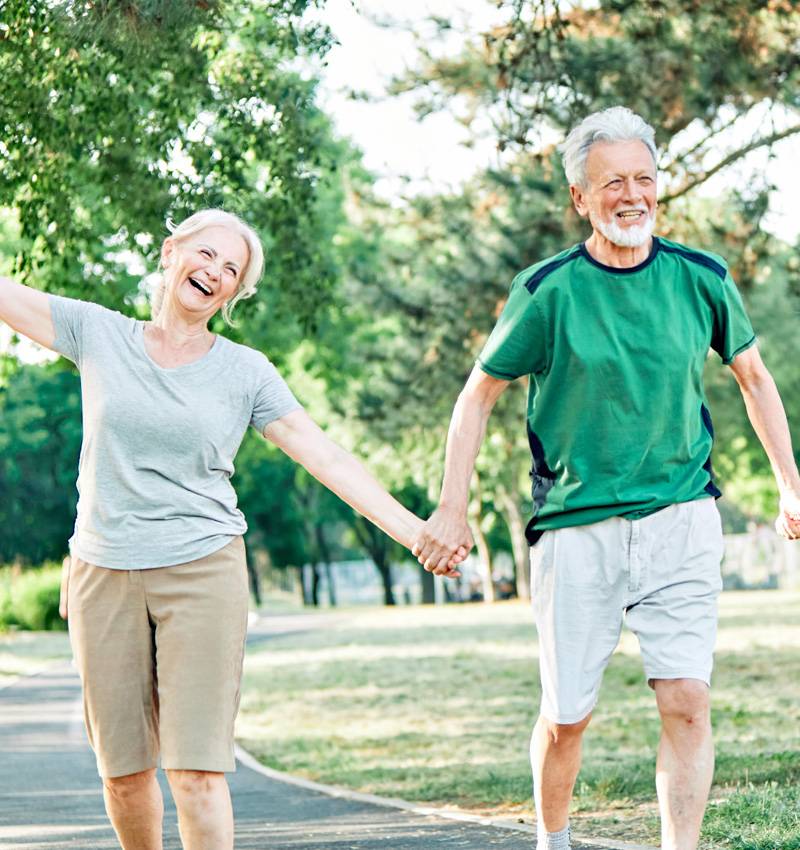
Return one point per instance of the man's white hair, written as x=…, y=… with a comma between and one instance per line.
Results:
x=616, y=124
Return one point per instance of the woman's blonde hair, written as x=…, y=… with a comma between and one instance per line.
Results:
x=250, y=274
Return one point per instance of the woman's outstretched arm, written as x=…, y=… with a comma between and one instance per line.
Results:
x=27, y=311
x=304, y=441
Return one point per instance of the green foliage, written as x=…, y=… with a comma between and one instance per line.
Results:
x=29, y=600
x=40, y=437
x=544, y=65
x=116, y=115
x=428, y=278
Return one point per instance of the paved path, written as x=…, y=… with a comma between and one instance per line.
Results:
x=50, y=796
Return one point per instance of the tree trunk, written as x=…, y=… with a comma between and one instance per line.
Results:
x=325, y=554
x=331, y=585
x=255, y=583
x=377, y=546
x=301, y=580
x=315, y=581
x=385, y=571
x=428, y=586
x=519, y=545
x=484, y=556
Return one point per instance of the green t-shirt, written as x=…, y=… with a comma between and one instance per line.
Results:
x=617, y=420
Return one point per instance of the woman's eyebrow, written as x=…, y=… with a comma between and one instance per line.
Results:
x=214, y=254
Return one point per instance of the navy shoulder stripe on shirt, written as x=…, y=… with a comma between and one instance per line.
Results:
x=695, y=257
x=548, y=268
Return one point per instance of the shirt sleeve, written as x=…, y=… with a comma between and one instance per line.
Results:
x=516, y=346
x=273, y=398
x=71, y=320
x=732, y=332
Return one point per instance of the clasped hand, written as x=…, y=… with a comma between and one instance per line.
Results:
x=443, y=543
x=788, y=522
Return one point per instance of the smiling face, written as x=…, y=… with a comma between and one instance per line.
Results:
x=204, y=270
x=619, y=197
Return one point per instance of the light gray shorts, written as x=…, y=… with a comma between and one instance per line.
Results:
x=660, y=574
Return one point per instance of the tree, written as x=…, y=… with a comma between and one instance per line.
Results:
x=115, y=115
x=546, y=64
x=40, y=437
x=426, y=305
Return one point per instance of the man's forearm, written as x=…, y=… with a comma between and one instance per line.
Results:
x=464, y=438
x=768, y=417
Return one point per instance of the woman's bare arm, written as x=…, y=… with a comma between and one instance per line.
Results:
x=27, y=311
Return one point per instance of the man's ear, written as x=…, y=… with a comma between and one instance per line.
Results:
x=578, y=196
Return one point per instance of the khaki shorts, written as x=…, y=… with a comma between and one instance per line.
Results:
x=160, y=654
x=660, y=574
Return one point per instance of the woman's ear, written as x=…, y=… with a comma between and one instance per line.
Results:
x=167, y=250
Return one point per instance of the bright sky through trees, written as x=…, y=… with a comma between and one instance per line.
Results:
x=431, y=152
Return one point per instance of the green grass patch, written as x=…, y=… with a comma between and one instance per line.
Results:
x=436, y=705
x=756, y=817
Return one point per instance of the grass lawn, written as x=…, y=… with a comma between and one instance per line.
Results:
x=437, y=704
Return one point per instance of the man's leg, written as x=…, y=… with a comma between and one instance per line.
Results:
x=577, y=586
x=555, y=761
x=685, y=763
x=205, y=815
x=136, y=810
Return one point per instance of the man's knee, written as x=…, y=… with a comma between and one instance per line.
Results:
x=683, y=700
x=126, y=787
x=564, y=733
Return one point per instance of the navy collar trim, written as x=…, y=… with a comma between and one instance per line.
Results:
x=656, y=246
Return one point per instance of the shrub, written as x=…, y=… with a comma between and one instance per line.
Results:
x=30, y=600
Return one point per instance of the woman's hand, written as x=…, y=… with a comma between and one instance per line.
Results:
x=62, y=599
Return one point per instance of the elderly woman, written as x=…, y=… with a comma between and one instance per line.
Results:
x=157, y=591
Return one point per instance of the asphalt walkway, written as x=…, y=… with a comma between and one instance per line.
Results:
x=50, y=795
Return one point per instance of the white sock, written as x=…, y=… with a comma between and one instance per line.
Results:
x=553, y=840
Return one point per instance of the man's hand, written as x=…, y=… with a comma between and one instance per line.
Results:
x=788, y=522
x=443, y=542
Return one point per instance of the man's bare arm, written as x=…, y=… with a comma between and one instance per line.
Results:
x=766, y=413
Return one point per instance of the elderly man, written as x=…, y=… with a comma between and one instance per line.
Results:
x=613, y=334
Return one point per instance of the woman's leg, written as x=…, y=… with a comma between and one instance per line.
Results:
x=136, y=810
x=205, y=815
x=200, y=613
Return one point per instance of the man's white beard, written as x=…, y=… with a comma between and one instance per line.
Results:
x=627, y=237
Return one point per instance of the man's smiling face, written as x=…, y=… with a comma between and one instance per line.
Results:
x=619, y=197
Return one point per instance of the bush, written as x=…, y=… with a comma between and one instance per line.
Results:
x=29, y=600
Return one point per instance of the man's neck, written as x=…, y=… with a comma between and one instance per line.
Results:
x=616, y=256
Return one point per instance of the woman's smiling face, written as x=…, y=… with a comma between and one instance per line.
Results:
x=204, y=270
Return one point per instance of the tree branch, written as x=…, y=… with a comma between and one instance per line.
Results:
x=728, y=160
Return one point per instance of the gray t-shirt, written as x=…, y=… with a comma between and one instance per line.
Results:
x=158, y=444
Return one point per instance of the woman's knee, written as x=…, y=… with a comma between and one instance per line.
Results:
x=124, y=787
x=195, y=782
